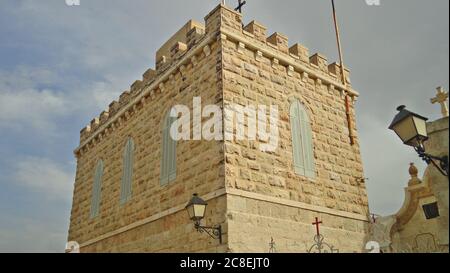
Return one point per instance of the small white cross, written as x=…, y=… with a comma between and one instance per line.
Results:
x=441, y=98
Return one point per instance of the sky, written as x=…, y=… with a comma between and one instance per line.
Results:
x=62, y=65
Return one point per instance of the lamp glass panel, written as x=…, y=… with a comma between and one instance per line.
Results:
x=421, y=126
x=199, y=211
x=190, y=210
x=406, y=130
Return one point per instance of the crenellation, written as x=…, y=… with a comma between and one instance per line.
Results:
x=95, y=123
x=257, y=30
x=300, y=51
x=85, y=133
x=336, y=71
x=177, y=50
x=223, y=17
x=194, y=36
x=149, y=75
x=180, y=42
x=279, y=41
x=104, y=116
x=320, y=61
x=113, y=108
x=161, y=64
x=299, y=54
x=136, y=87
x=124, y=98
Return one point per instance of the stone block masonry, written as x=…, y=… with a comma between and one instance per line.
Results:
x=254, y=195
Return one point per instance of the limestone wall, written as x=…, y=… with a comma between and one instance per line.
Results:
x=139, y=114
x=172, y=233
x=265, y=71
x=419, y=235
x=253, y=194
x=253, y=222
x=438, y=145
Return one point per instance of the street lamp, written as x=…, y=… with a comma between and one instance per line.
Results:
x=412, y=130
x=196, y=209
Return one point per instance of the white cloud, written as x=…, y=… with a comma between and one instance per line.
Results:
x=30, y=108
x=46, y=177
x=23, y=104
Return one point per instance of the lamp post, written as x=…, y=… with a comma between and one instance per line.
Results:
x=412, y=130
x=196, y=209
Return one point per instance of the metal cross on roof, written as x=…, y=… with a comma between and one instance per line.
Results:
x=240, y=5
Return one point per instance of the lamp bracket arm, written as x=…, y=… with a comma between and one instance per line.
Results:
x=213, y=232
x=430, y=159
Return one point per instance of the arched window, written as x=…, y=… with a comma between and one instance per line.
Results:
x=169, y=153
x=302, y=144
x=97, y=190
x=127, y=175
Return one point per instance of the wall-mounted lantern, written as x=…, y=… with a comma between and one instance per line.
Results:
x=412, y=130
x=196, y=209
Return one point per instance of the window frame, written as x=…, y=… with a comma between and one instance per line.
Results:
x=302, y=141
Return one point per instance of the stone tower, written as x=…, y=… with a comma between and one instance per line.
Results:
x=254, y=195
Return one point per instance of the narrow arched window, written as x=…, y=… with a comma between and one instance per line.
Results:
x=302, y=145
x=97, y=190
x=169, y=153
x=127, y=175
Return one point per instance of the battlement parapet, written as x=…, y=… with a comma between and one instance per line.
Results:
x=193, y=40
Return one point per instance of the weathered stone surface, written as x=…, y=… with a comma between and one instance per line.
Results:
x=254, y=194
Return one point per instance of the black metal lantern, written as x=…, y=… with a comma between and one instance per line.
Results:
x=412, y=130
x=196, y=209
x=410, y=127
